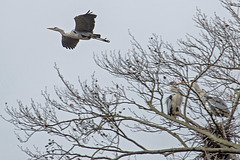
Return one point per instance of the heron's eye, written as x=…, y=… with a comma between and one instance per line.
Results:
x=74, y=32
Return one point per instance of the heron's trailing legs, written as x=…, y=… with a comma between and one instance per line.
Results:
x=104, y=40
x=98, y=37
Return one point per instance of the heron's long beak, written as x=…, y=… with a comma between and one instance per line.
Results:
x=51, y=28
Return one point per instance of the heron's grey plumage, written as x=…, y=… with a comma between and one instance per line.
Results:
x=214, y=105
x=174, y=101
x=218, y=106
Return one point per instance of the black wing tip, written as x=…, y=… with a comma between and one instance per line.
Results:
x=89, y=13
x=70, y=48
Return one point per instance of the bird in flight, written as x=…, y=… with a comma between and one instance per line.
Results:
x=83, y=30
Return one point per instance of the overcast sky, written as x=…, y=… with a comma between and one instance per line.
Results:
x=28, y=50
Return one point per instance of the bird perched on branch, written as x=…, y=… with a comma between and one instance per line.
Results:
x=174, y=101
x=214, y=105
x=83, y=31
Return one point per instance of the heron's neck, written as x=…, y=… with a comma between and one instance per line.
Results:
x=199, y=90
x=61, y=31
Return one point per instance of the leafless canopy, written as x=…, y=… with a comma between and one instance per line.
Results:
x=94, y=122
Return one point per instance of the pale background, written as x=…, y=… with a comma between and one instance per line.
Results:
x=28, y=50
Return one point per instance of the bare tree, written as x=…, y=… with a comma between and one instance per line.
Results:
x=103, y=122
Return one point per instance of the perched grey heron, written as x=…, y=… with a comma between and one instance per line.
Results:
x=174, y=101
x=214, y=105
x=83, y=30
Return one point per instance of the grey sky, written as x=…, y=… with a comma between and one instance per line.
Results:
x=28, y=50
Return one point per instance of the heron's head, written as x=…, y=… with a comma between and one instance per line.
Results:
x=193, y=84
x=173, y=86
x=172, y=83
x=190, y=83
x=55, y=29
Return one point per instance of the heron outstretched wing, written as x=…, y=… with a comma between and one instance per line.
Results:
x=85, y=23
x=69, y=43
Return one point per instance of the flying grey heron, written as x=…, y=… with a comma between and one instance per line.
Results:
x=174, y=101
x=214, y=105
x=83, y=30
